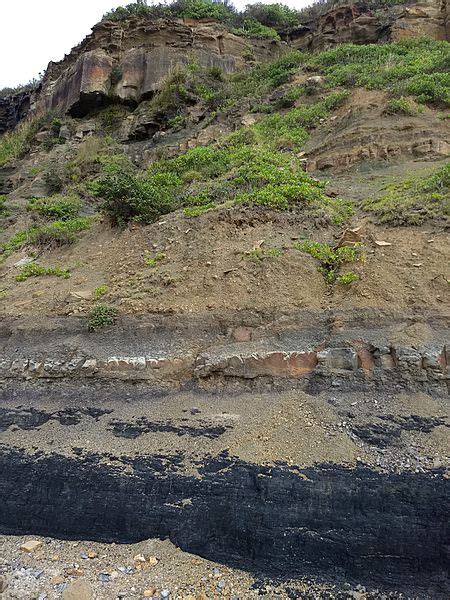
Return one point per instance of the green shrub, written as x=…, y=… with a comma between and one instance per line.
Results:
x=112, y=116
x=201, y=9
x=101, y=316
x=3, y=209
x=177, y=122
x=331, y=259
x=266, y=77
x=35, y=270
x=414, y=201
x=53, y=234
x=197, y=205
x=253, y=28
x=131, y=198
x=400, y=106
x=273, y=15
x=58, y=233
x=347, y=278
x=60, y=208
x=116, y=74
x=135, y=9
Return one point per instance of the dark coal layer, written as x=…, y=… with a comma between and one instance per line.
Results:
x=387, y=530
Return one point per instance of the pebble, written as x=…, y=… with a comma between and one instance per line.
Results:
x=165, y=593
x=104, y=577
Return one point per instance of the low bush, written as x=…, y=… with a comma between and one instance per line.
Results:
x=331, y=259
x=62, y=208
x=253, y=28
x=127, y=197
x=265, y=77
x=57, y=233
x=289, y=130
x=399, y=106
x=101, y=316
x=273, y=15
x=415, y=200
x=347, y=278
x=35, y=270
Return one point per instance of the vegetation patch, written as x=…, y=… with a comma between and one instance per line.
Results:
x=243, y=168
x=14, y=144
x=57, y=233
x=417, y=67
x=289, y=130
x=258, y=254
x=100, y=291
x=264, y=78
x=400, y=106
x=253, y=28
x=62, y=208
x=414, y=201
x=331, y=259
x=35, y=270
x=153, y=261
x=101, y=315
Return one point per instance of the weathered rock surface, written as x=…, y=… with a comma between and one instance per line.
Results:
x=128, y=61
x=358, y=24
x=362, y=131
x=168, y=354
x=13, y=109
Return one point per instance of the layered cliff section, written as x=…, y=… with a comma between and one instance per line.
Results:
x=127, y=61
x=361, y=23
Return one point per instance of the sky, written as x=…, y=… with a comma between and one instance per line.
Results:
x=34, y=32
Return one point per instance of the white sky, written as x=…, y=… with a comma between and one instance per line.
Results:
x=34, y=32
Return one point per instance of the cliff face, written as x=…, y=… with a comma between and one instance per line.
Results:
x=127, y=61
x=353, y=22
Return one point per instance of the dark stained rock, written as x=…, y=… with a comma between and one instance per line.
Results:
x=13, y=109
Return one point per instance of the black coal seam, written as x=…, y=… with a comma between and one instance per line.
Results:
x=389, y=430
x=142, y=425
x=326, y=521
x=31, y=418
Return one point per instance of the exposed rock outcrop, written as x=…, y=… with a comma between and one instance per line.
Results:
x=13, y=109
x=359, y=24
x=127, y=61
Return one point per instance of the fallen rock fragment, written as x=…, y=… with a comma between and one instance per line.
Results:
x=382, y=243
x=31, y=545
